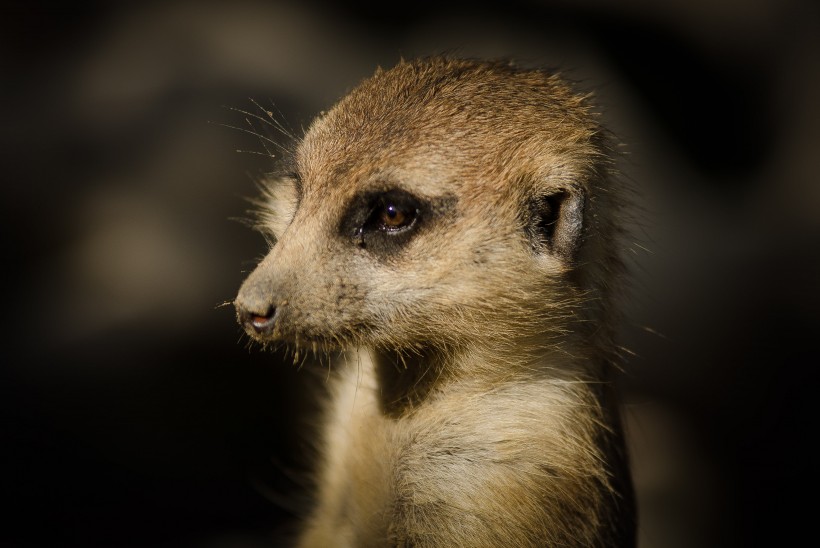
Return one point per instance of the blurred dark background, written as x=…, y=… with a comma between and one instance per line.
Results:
x=133, y=413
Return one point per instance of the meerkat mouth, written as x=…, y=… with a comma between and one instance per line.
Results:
x=260, y=323
x=268, y=330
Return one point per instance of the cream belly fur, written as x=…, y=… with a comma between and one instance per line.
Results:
x=455, y=226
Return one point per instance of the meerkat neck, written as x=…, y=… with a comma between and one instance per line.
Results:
x=405, y=379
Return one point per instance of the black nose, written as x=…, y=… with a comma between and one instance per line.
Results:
x=260, y=323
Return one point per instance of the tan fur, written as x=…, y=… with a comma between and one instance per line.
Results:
x=474, y=409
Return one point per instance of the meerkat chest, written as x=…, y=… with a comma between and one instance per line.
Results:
x=355, y=480
x=465, y=453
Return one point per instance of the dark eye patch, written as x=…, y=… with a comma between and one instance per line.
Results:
x=383, y=222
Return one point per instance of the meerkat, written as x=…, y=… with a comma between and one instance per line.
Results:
x=455, y=226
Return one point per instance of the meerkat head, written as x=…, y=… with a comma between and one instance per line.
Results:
x=441, y=202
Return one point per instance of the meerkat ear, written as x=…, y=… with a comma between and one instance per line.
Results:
x=556, y=221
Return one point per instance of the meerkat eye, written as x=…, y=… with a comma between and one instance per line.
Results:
x=393, y=212
x=394, y=217
x=391, y=216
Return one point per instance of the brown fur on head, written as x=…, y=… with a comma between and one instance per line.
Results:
x=505, y=168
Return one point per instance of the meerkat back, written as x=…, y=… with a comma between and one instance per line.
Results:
x=453, y=226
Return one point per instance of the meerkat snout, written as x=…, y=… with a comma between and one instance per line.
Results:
x=259, y=323
x=454, y=227
x=256, y=305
